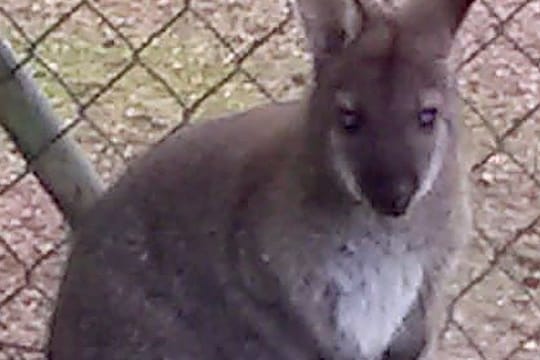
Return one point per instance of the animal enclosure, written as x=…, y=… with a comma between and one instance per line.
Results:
x=120, y=75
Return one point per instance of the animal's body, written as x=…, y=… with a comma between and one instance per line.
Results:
x=317, y=229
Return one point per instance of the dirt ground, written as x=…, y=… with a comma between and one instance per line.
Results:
x=496, y=312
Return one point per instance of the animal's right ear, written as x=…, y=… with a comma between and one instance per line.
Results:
x=330, y=25
x=439, y=13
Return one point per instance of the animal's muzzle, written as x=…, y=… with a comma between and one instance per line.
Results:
x=390, y=195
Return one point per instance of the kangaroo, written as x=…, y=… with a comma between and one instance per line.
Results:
x=315, y=229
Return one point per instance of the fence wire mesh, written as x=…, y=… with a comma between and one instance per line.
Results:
x=123, y=74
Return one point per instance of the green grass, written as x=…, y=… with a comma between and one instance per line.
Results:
x=138, y=109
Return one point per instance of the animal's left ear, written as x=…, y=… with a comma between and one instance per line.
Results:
x=456, y=11
x=331, y=24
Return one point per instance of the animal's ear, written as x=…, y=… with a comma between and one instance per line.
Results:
x=447, y=13
x=456, y=11
x=330, y=24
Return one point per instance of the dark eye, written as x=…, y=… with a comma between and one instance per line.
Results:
x=350, y=120
x=427, y=117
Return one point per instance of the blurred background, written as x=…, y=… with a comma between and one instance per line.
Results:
x=116, y=76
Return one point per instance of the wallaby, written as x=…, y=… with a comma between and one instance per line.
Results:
x=318, y=229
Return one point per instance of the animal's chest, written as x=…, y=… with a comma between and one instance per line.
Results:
x=377, y=291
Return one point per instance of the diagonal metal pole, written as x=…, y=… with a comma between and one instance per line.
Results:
x=61, y=167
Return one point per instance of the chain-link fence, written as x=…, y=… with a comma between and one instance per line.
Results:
x=122, y=74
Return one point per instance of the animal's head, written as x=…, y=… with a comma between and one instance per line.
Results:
x=383, y=95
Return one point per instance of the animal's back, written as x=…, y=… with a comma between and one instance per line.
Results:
x=146, y=265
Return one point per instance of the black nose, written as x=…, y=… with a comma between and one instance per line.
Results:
x=391, y=197
x=401, y=197
x=399, y=206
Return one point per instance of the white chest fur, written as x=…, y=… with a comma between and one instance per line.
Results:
x=375, y=296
